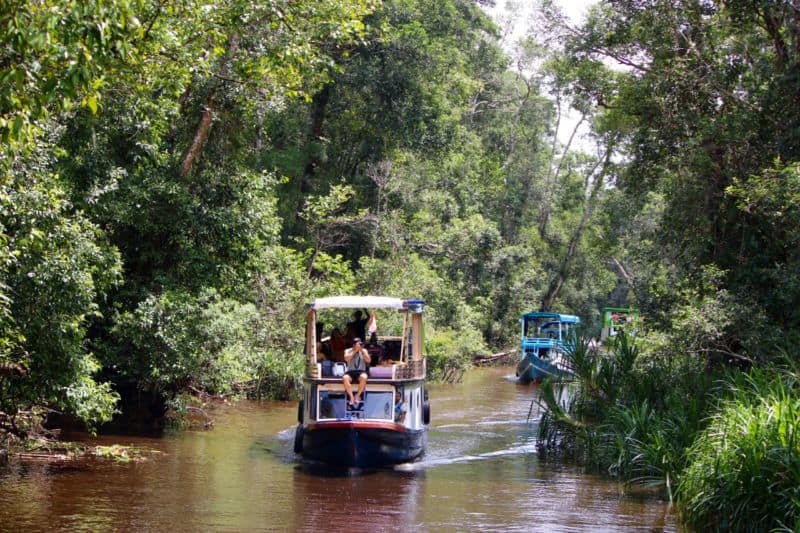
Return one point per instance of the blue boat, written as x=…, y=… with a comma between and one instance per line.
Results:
x=545, y=341
x=389, y=425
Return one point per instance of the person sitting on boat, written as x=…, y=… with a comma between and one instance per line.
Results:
x=400, y=407
x=338, y=344
x=357, y=359
x=375, y=350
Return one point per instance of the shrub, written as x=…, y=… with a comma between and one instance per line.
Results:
x=176, y=339
x=744, y=469
x=630, y=414
x=280, y=374
x=449, y=354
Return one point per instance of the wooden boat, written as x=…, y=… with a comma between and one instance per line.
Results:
x=368, y=434
x=545, y=342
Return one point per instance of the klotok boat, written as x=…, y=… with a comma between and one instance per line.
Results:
x=616, y=319
x=545, y=342
x=389, y=425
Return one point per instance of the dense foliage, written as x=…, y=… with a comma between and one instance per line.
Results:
x=632, y=413
x=179, y=178
x=703, y=101
x=744, y=470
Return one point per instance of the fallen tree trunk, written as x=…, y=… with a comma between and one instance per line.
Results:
x=501, y=357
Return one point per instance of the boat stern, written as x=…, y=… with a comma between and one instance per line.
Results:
x=359, y=443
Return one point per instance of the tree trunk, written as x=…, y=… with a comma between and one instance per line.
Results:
x=566, y=262
x=551, y=180
x=200, y=137
x=207, y=116
x=319, y=109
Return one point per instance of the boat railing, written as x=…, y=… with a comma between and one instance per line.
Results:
x=414, y=369
x=539, y=342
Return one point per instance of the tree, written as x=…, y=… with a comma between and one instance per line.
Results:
x=699, y=107
x=60, y=266
x=53, y=54
x=131, y=184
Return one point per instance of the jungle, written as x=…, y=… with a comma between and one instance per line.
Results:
x=179, y=178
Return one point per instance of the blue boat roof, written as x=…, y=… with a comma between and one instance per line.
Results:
x=553, y=317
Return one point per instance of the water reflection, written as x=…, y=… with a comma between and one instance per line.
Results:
x=356, y=499
x=480, y=472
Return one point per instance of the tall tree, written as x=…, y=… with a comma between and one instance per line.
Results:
x=709, y=99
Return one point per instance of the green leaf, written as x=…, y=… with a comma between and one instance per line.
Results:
x=91, y=102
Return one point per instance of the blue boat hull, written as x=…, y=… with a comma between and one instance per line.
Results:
x=532, y=368
x=362, y=443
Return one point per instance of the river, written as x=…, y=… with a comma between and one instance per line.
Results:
x=480, y=473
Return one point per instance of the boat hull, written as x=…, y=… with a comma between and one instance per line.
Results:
x=532, y=368
x=356, y=443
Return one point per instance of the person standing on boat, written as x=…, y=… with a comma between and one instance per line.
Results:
x=357, y=359
x=358, y=327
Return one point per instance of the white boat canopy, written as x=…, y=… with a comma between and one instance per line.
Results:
x=359, y=302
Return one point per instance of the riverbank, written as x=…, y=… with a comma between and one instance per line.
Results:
x=47, y=451
x=32, y=437
x=715, y=441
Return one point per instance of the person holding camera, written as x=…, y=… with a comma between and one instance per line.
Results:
x=357, y=359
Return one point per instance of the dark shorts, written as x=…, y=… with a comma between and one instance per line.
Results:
x=355, y=374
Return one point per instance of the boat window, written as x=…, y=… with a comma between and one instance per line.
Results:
x=311, y=403
x=378, y=404
x=332, y=404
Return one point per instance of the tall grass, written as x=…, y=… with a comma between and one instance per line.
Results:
x=725, y=446
x=628, y=415
x=744, y=470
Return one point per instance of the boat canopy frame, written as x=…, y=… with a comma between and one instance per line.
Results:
x=410, y=352
x=543, y=320
x=541, y=316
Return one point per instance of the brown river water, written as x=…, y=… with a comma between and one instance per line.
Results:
x=480, y=473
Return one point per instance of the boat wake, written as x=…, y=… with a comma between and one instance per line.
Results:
x=488, y=423
x=278, y=445
x=463, y=443
x=286, y=434
x=427, y=463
